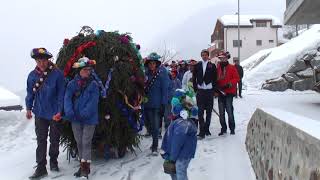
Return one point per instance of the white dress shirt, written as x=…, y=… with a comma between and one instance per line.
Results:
x=203, y=85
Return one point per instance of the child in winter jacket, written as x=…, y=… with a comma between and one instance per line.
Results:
x=180, y=140
x=81, y=108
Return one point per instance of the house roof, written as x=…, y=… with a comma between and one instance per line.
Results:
x=246, y=20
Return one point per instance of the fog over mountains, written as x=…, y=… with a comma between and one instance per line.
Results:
x=188, y=38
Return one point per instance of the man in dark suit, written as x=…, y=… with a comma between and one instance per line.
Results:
x=204, y=81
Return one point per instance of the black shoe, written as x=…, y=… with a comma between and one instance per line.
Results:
x=39, y=173
x=78, y=173
x=54, y=165
x=232, y=132
x=147, y=135
x=160, y=136
x=201, y=136
x=208, y=133
x=240, y=96
x=222, y=133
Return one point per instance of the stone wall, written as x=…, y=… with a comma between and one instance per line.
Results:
x=279, y=151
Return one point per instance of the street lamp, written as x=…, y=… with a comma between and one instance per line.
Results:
x=239, y=30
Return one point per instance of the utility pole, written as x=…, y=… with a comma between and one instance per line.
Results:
x=239, y=30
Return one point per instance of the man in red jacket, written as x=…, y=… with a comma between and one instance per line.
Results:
x=228, y=78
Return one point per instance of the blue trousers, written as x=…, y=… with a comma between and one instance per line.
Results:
x=226, y=105
x=181, y=170
x=153, y=117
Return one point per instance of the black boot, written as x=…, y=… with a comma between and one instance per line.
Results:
x=39, y=173
x=78, y=173
x=54, y=165
x=222, y=133
x=207, y=133
x=232, y=132
x=201, y=135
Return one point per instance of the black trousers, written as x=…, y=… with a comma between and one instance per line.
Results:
x=42, y=129
x=239, y=87
x=205, y=103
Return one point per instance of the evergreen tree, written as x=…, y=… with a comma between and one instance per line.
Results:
x=120, y=64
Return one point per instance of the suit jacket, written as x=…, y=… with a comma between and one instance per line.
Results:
x=210, y=75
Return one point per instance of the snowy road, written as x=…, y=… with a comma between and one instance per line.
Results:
x=221, y=158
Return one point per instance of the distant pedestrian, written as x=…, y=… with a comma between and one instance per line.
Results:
x=240, y=72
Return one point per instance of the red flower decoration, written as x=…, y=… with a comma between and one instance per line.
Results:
x=66, y=42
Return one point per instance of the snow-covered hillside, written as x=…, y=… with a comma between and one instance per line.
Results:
x=8, y=98
x=272, y=63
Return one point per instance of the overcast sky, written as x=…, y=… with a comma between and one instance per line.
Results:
x=44, y=23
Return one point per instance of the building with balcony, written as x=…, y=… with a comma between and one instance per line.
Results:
x=257, y=32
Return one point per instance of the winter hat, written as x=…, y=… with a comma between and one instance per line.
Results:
x=223, y=54
x=181, y=103
x=192, y=62
x=84, y=62
x=153, y=57
x=40, y=53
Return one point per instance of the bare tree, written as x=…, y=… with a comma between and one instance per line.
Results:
x=291, y=31
x=168, y=55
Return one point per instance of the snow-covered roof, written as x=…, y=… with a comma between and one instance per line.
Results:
x=246, y=20
x=8, y=98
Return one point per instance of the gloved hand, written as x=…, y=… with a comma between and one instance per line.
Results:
x=228, y=85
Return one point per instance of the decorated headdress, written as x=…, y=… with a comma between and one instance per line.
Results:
x=84, y=62
x=153, y=57
x=224, y=54
x=40, y=53
x=182, y=102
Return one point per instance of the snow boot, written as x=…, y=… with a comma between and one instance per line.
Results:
x=85, y=170
x=39, y=173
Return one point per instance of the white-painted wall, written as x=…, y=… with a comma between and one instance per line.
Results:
x=249, y=36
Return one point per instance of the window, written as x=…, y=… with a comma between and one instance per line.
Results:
x=261, y=24
x=259, y=42
x=270, y=41
x=236, y=43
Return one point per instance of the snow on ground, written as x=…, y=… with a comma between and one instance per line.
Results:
x=223, y=158
x=280, y=58
x=8, y=98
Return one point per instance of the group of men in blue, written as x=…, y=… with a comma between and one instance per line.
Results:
x=48, y=96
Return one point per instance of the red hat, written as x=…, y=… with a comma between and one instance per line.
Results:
x=223, y=54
